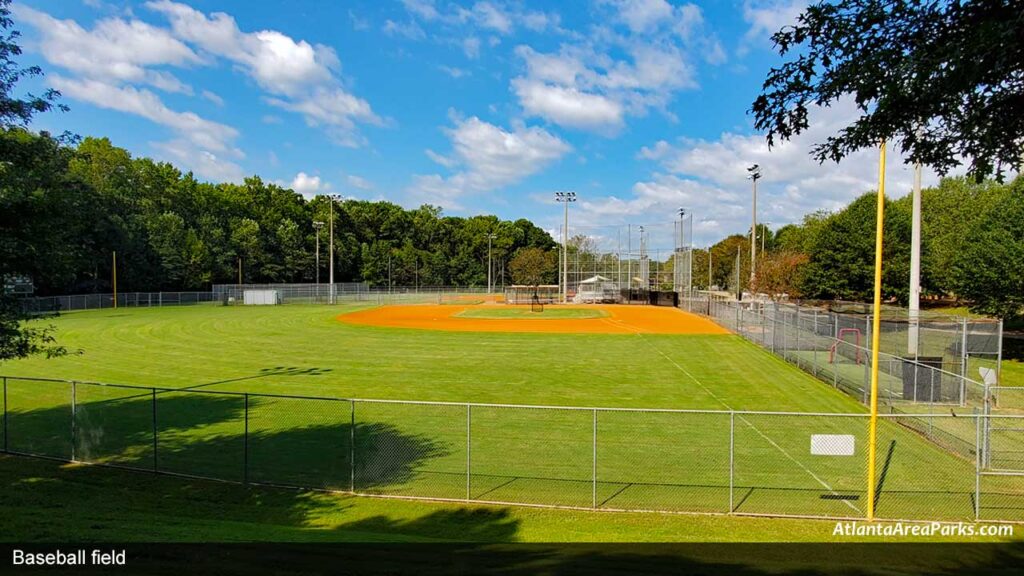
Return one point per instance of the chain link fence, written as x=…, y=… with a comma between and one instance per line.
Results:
x=720, y=462
x=234, y=294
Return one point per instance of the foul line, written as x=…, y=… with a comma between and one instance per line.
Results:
x=745, y=421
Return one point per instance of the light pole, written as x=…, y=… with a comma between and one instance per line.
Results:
x=333, y=198
x=915, y=264
x=318, y=225
x=755, y=175
x=490, y=236
x=565, y=198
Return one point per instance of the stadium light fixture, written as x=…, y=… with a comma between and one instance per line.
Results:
x=565, y=198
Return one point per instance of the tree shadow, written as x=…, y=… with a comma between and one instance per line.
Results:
x=224, y=436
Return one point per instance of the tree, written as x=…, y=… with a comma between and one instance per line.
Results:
x=18, y=111
x=533, y=266
x=987, y=269
x=841, y=264
x=17, y=337
x=943, y=79
x=779, y=274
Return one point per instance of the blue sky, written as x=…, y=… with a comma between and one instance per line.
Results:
x=640, y=106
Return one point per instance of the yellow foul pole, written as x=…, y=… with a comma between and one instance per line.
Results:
x=875, y=328
x=115, y=278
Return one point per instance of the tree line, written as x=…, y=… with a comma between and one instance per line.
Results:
x=972, y=249
x=67, y=207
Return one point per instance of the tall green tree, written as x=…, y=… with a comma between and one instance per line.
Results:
x=943, y=80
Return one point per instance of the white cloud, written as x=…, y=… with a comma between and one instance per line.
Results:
x=471, y=47
x=454, y=72
x=115, y=50
x=212, y=97
x=568, y=106
x=766, y=17
x=619, y=71
x=710, y=178
x=301, y=77
x=206, y=134
x=204, y=163
x=487, y=157
x=271, y=119
x=643, y=15
x=359, y=182
x=463, y=26
x=307, y=185
x=410, y=30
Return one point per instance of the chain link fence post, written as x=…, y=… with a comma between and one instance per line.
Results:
x=352, y=448
x=74, y=421
x=732, y=458
x=156, y=466
x=469, y=451
x=977, y=466
x=5, y=414
x=594, y=469
x=245, y=444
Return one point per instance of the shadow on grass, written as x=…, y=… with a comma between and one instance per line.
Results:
x=226, y=437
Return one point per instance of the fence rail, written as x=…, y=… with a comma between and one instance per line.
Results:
x=721, y=462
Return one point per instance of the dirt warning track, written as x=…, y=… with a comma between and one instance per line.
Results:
x=619, y=319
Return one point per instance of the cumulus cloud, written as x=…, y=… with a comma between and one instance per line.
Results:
x=300, y=77
x=637, y=63
x=201, y=132
x=307, y=185
x=115, y=50
x=359, y=182
x=710, y=178
x=204, y=163
x=766, y=17
x=486, y=157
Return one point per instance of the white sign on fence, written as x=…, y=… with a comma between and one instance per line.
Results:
x=832, y=444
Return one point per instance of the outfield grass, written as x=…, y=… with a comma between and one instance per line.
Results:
x=662, y=461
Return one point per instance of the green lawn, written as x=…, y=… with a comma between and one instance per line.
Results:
x=645, y=460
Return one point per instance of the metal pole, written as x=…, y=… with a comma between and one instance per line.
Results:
x=5, y=414
x=489, y=263
x=594, y=488
x=875, y=343
x=565, y=250
x=330, y=256
x=915, y=263
x=999, y=356
x=155, y=435
x=732, y=457
x=469, y=450
x=753, y=235
x=74, y=423
x=977, y=467
x=245, y=447
x=115, y=278
x=352, y=448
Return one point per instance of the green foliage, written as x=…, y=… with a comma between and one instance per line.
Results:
x=944, y=79
x=988, y=270
x=533, y=267
x=842, y=253
x=66, y=208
